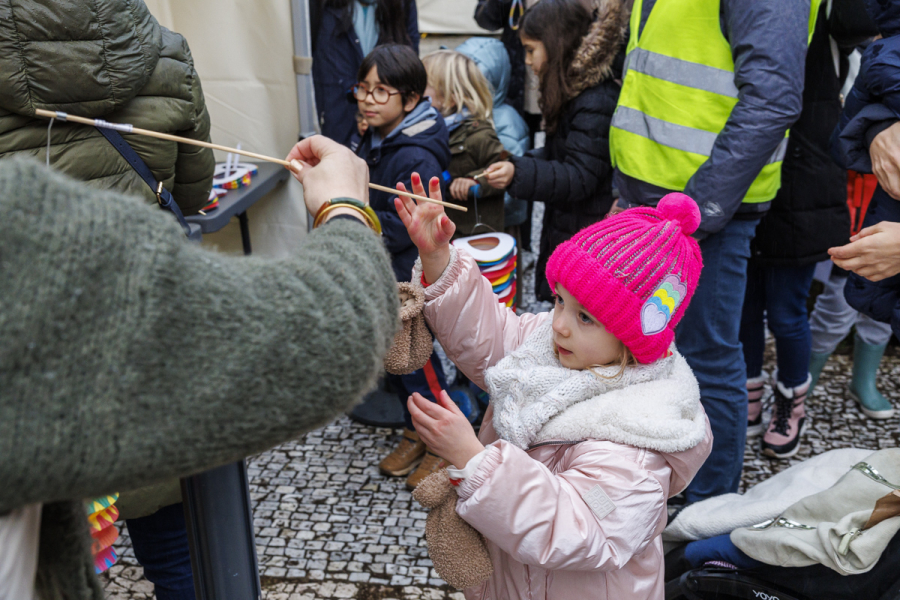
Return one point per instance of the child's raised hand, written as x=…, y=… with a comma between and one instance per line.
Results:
x=444, y=429
x=429, y=227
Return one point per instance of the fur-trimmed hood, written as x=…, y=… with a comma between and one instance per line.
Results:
x=535, y=400
x=593, y=60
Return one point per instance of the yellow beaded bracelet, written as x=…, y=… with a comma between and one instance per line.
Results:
x=364, y=209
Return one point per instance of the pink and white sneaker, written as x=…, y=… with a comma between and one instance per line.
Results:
x=782, y=438
x=754, y=404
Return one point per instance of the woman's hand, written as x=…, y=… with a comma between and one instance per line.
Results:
x=873, y=253
x=444, y=429
x=329, y=170
x=499, y=175
x=459, y=188
x=885, y=154
x=429, y=227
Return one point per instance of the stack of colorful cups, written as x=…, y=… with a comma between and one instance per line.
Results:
x=102, y=513
x=495, y=254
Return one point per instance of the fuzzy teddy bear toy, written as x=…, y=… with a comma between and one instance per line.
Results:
x=457, y=550
x=412, y=345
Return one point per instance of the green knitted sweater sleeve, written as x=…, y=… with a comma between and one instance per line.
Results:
x=128, y=355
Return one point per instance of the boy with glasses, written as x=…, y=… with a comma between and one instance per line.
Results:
x=405, y=134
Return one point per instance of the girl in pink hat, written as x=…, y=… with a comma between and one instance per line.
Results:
x=594, y=420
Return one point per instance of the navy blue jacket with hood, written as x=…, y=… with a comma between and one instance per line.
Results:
x=871, y=106
x=419, y=144
x=337, y=55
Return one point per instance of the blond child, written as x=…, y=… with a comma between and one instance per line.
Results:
x=458, y=89
x=595, y=419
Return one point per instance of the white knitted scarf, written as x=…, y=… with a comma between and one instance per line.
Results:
x=536, y=399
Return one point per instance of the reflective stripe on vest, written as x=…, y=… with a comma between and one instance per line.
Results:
x=682, y=72
x=677, y=94
x=675, y=136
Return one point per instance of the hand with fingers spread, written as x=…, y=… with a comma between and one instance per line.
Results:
x=873, y=253
x=500, y=174
x=329, y=170
x=429, y=227
x=444, y=429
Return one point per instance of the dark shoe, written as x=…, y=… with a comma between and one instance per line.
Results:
x=405, y=456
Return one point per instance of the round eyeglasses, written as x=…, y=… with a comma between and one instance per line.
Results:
x=380, y=95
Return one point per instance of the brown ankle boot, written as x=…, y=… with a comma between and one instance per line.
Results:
x=432, y=463
x=405, y=456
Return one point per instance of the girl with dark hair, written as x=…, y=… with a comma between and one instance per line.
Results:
x=572, y=55
x=343, y=34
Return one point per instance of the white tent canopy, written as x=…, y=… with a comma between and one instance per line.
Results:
x=448, y=17
x=245, y=54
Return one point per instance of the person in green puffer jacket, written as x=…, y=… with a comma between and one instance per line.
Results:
x=105, y=59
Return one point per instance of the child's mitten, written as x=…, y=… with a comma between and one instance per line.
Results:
x=412, y=345
x=457, y=550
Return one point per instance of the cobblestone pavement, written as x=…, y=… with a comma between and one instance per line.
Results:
x=328, y=525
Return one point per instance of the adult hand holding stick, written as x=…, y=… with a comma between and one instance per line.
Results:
x=329, y=170
x=295, y=164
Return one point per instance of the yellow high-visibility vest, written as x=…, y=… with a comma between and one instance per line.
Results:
x=677, y=94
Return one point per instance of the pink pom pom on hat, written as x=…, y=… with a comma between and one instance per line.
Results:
x=635, y=272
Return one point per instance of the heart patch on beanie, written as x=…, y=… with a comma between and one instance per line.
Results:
x=662, y=304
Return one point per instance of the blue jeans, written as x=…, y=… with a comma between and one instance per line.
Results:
x=777, y=295
x=161, y=546
x=708, y=337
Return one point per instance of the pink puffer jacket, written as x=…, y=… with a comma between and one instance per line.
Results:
x=567, y=518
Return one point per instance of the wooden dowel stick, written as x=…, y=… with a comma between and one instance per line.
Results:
x=166, y=136
x=382, y=188
x=175, y=138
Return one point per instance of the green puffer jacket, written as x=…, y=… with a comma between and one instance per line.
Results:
x=105, y=59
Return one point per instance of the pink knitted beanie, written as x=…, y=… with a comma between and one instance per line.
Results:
x=635, y=272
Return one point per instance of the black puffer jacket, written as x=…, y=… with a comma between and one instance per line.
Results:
x=572, y=174
x=809, y=214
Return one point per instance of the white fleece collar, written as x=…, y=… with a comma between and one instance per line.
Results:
x=536, y=399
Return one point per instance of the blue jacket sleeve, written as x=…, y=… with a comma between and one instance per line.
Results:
x=412, y=24
x=850, y=140
x=579, y=176
x=880, y=70
x=871, y=106
x=768, y=41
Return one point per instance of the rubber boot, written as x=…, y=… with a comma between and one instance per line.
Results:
x=866, y=359
x=816, y=364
